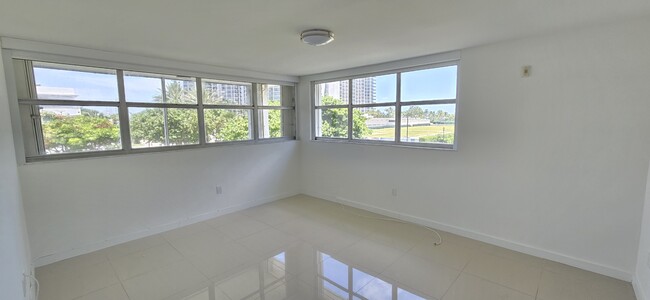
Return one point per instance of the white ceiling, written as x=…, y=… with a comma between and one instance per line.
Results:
x=263, y=35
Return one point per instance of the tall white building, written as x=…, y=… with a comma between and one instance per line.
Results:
x=364, y=90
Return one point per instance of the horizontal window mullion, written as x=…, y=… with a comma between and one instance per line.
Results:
x=374, y=104
x=67, y=102
x=427, y=145
x=341, y=139
x=331, y=106
x=276, y=107
x=161, y=105
x=215, y=106
x=427, y=102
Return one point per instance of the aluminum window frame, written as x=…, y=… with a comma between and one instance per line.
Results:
x=32, y=154
x=398, y=104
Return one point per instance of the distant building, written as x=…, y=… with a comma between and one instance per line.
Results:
x=273, y=92
x=58, y=93
x=364, y=90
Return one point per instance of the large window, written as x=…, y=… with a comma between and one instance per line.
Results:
x=410, y=107
x=68, y=110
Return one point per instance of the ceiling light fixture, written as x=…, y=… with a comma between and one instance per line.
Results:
x=316, y=37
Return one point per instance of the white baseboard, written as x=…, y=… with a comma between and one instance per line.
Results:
x=72, y=252
x=543, y=253
x=638, y=289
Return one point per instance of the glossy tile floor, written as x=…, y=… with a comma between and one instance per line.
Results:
x=304, y=248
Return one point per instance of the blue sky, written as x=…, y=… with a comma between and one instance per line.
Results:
x=428, y=84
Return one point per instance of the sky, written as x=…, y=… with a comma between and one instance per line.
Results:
x=428, y=84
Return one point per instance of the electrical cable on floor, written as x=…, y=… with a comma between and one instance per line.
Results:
x=438, y=243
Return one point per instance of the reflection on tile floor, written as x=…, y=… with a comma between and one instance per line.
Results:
x=304, y=248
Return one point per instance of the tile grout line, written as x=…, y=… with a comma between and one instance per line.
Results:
x=118, y=278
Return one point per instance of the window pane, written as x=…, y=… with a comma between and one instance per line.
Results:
x=332, y=93
x=69, y=129
x=428, y=123
x=148, y=88
x=332, y=122
x=271, y=122
x=270, y=95
x=67, y=82
x=225, y=125
x=226, y=92
x=429, y=84
x=155, y=127
x=374, y=123
x=377, y=89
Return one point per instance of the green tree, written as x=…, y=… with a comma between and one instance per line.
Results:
x=148, y=126
x=88, y=131
x=275, y=120
x=334, y=121
x=414, y=112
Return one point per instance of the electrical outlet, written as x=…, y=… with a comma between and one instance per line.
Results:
x=525, y=71
x=219, y=190
x=394, y=192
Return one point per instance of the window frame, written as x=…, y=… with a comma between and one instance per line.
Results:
x=398, y=104
x=31, y=134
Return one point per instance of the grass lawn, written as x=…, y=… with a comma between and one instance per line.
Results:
x=416, y=131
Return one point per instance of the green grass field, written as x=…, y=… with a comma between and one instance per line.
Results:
x=416, y=131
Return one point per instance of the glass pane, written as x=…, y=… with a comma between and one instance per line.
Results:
x=429, y=84
x=226, y=92
x=156, y=127
x=224, y=125
x=332, y=122
x=271, y=122
x=270, y=95
x=67, y=82
x=377, y=89
x=148, y=88
x=69, y=129
x=332, y=93
x=428, y=123
x=374, y=123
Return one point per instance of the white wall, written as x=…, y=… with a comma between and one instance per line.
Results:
x=642, y=276
x=553, y=165
x=77, y=206
x=14, y=248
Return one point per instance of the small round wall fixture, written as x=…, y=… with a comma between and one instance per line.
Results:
x=316, y=37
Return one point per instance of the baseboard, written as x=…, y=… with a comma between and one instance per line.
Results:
x=72, y=252
x=638, y=289
x=515, y=246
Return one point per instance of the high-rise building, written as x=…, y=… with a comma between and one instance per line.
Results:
x=364, y=90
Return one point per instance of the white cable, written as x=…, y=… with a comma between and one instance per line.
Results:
x=34, y=280
x=438, y=243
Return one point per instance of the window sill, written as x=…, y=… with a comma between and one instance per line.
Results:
x=113, y=153
x=443, y=147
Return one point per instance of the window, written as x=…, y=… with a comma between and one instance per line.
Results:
x=68, y=110
x=407, y=107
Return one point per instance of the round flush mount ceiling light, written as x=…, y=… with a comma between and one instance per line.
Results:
x=316, y=37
